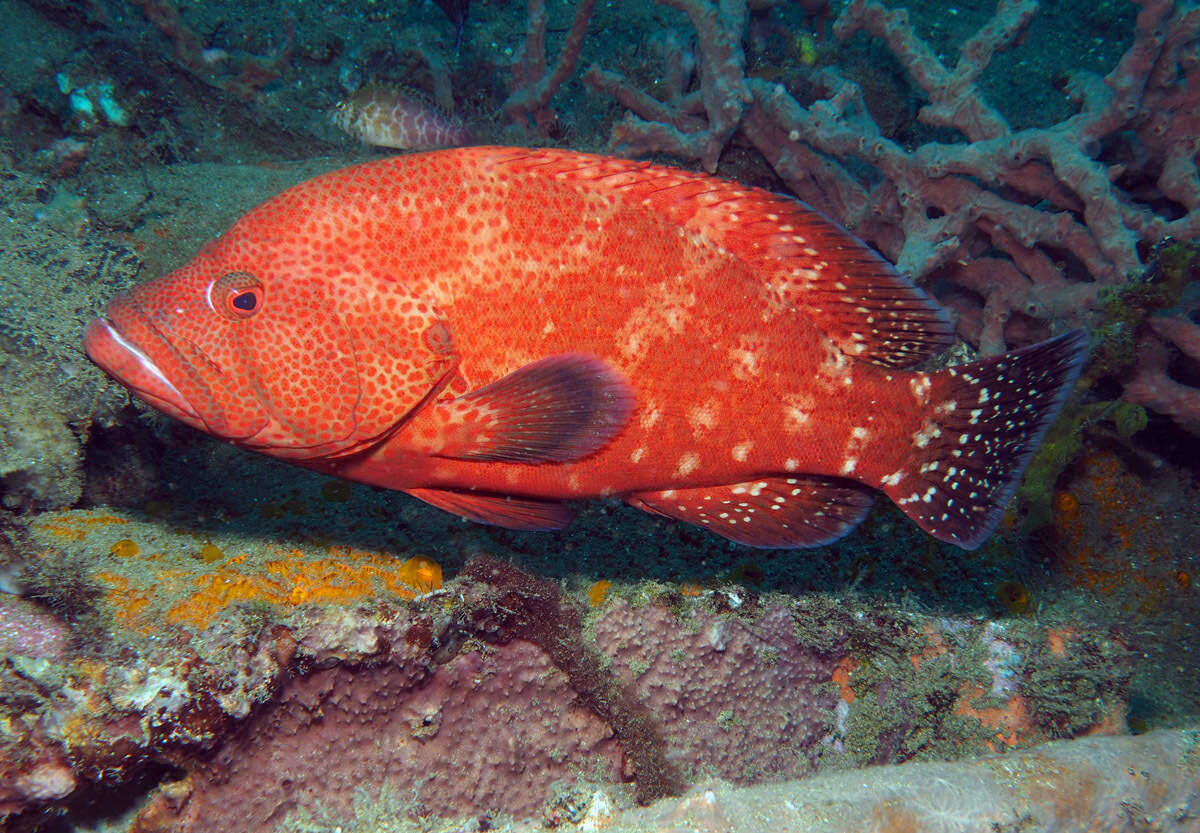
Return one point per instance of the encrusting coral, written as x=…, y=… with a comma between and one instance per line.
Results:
x=266, y=694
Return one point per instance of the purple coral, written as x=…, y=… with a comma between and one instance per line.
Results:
x=28, y=630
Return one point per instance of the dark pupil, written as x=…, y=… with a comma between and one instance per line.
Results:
x=245, y=301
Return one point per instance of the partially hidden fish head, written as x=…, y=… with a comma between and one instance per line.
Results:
x=244, y=345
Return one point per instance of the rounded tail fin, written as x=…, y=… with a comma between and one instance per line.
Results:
x=983, y=423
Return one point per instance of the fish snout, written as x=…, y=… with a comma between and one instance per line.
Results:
x=167, y=369
x=121, y=358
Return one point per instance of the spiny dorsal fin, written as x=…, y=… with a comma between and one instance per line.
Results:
x=807, y=261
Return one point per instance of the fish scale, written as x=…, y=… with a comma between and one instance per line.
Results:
x=497, y=330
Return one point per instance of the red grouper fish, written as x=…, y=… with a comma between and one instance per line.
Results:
x=499, y=330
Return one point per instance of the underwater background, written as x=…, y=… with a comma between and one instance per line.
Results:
x=195, y=638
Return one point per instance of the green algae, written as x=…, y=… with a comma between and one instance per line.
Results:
x=1174, y=267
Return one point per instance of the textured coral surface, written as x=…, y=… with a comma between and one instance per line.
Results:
x=509, y=719
x=719, y=720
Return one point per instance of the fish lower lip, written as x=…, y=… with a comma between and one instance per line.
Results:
x=130, y=365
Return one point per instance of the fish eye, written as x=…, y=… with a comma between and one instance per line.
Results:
x=236, y=295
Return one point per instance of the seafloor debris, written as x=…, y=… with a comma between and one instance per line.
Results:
x=1146, y=783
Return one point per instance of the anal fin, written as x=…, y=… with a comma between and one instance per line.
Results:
x=498, y=510
x=771, y=512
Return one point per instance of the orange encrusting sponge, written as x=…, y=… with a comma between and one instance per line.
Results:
x=347, y=576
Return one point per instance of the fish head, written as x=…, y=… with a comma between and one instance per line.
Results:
x=242, y=344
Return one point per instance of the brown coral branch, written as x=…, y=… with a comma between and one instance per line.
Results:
x=656, y=127
x=956, y=101
x=253, y=71
x=532, y=86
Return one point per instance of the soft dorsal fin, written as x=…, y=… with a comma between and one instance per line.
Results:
x=808, y=262
x=555, y=410
x=771, y=512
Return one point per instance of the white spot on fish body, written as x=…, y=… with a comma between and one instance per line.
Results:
x=836, y=366
x=742, y=450
x=633, y=345
x=703, y=418
x=854, y=448
x=797, y=411
x=929, y=432
x=745, y=363
x=920, y=386
x=687, y=464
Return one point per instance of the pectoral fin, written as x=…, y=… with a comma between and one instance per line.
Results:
x=559, y=409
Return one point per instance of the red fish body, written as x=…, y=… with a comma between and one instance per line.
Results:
x=497, y=330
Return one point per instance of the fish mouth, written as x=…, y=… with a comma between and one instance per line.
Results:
x=121, y=358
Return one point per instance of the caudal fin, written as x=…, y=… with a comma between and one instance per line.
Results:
x=983, y=423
